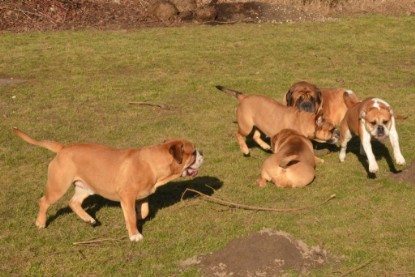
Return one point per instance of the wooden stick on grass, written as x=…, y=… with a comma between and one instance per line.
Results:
x=96, y=241
x=223, y=203
x=140, y=103
x=253, y=208
x=358, y=267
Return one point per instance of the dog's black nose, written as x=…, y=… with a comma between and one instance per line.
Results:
x=381, y=130
x=307, y=107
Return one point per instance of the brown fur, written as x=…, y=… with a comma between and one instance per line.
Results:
x=124, y=175
x=262, y=113
x=292, y=164
x=328, y=100
x=370, y=118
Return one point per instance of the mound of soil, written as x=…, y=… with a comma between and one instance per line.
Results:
x=405, y=176
x=266, y=253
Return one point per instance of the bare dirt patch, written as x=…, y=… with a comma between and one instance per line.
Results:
x=266, y=253
x=405, y=176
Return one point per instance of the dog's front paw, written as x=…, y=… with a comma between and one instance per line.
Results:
x=40, y=225
x=136, y=237
x=261, y=182
x=342, y=156
x=400, y=160
x=373, y=167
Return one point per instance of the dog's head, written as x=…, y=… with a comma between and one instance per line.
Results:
x=186, y=158
x=325, y=130
x=376, y=116
x=304, y=96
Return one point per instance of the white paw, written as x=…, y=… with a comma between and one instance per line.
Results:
x=39, y=225
x=373, y=167
x=400, y=160
x=342, y=157
x=266, y=146
x=136, y=237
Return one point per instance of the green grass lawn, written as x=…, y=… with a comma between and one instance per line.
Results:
x=77, y=89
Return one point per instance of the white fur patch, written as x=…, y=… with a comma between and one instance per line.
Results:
x=349, y=91
x=377, y=101
x=136, y=237
x=365, y=141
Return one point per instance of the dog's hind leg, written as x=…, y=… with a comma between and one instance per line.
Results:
x=76, y=203
x=56, y=186
x=242, y=144
x=244, y=129
x=257, y=138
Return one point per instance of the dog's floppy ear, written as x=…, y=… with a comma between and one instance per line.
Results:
x=176, y=150
x=319, y=98
x=289, y=97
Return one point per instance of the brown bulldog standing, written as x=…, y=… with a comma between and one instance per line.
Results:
x=309, y=98
x=261, y=113
x=370, y=118
x=124, y=175
x=292, y=164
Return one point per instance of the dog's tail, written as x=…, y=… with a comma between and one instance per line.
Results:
x=350, y=99
x=288, y=161
x=51, y=145
x=231, y=92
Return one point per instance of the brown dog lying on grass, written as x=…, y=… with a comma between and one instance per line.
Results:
x=261, y=113
x=124, y=175
x=292, y=164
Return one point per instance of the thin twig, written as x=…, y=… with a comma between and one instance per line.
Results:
x=358, y=267
x=162, y=106
x=409, y=273
x=96, y=241
x=253, y=208
x=38, y=14
x=220, y=22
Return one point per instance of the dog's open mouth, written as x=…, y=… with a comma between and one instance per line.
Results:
x=191, y=172
x=193, y=168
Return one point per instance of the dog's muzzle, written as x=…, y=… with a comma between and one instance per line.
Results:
x=193, y=168
x=335, y=137
x=380, y=132
x=306, y=106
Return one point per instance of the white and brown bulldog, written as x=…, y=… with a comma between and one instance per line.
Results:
x=370, y=118
x=308, y=97
x=263, y=114
x=292, y=164
x=123, y=175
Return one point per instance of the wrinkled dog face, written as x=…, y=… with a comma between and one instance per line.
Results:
x=187, y=159
x=304, y=96
x=193, y=167
x=326, y=131
x=377, y=118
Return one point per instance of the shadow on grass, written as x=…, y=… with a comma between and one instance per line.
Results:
x=164, y=197
x=379, y=150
